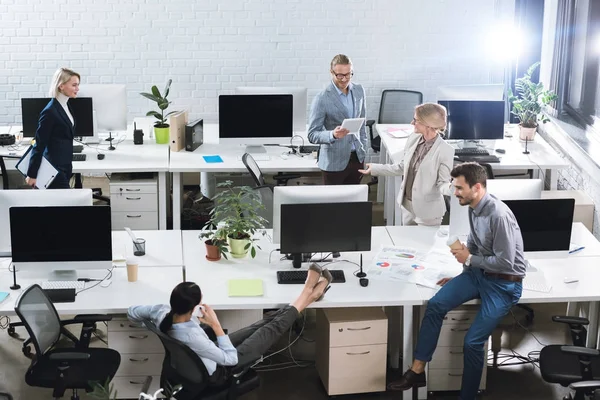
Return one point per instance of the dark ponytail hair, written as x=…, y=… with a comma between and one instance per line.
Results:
x=184, y=298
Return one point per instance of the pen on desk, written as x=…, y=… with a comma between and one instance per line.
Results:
x=576, y=250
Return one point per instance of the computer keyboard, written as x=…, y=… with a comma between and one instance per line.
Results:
x=299, y=276
x=308, y=149
x=479, y=159
x=536, y=282
x=78, y=157
x=63, y=285
x=258, y=157
x=471, y=151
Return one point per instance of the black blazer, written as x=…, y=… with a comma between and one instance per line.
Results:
x=53, y=139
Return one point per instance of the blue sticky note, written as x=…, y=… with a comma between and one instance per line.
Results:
x=212, y=159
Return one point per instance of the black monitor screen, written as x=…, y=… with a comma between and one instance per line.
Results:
x=326, y=227
x=256, y=116
x=77, y=233
x=474, y=120
x=81, y=108
x=545, y=223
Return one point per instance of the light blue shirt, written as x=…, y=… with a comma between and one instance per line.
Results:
x=348, y=102
x=192, y=334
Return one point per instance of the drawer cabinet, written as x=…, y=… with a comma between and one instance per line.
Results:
x=134, y=202
x=351, y=349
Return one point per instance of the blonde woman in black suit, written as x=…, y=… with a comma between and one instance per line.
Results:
x=55, y=132
x=425, y=167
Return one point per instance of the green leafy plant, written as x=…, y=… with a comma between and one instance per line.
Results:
x=163, y=104
x=530, y=99
x=236, y=211
x=215, y=236
x=103, y=391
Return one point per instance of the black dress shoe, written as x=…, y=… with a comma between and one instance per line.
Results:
x=409, y=380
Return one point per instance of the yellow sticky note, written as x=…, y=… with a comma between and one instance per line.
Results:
x=245, y=287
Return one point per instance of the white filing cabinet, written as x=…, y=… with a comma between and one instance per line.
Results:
x=446, y=368
x=134, y=202
x=142, y=355
x=351, y=349
x=584, y=205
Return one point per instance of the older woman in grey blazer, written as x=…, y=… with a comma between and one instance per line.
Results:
x=426, y=167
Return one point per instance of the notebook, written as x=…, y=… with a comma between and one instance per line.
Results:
x=3, y=296
x=46, y=173
x=245, y=287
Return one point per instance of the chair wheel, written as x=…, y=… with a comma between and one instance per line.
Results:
x=11, y=330
x=27, y=351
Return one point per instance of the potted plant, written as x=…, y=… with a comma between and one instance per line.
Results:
x=161, y=128
x=236, y=211
x=529, y=102
x=106, y=391
x=216, y=241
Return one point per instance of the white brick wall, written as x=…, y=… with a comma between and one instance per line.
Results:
x=208, y=47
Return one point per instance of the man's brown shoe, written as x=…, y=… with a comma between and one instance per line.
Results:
x=409, y=380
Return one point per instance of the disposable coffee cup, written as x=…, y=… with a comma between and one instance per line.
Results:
x=132, y=269
x=454, y=243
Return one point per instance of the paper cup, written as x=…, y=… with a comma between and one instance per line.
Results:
x=454, y=243
x=132, y=270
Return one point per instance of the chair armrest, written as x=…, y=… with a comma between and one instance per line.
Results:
x=83, y=318
x=370, y=123
x=570, y=320
x=580, y=351
x=585, y=385
x=70, y=356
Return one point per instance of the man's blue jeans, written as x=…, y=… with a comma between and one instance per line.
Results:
x=497, y=297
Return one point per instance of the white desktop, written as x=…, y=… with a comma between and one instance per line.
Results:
x=300, y=95
x=58, y=197
x=110, y=108
x=313, y=194
x=504, y=189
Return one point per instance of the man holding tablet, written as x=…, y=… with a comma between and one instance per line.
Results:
x=336, y=123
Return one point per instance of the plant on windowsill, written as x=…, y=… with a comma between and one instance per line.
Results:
x=161, y=127
x=529, y=103
x=236, y=212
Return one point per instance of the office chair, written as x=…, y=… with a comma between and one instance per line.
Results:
x=589, y=387
x=181, y=366
x=5, y=396
x=3, y=173
x=568, y=365
x=265, y=193
x=259, y=179
x=62, y=368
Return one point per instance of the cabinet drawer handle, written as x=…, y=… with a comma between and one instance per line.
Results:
x=456, y=352
x=139, y=360
x=122, y=325
x=358, y=354
x=359, y=329
x=459, y=330
x=451, y=374
x=461, y=319
x=134, y=216
x=133, y=198
x=138, y=336
x=132, y=190
x=136, y=382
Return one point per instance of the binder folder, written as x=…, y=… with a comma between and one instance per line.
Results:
x=46, y=173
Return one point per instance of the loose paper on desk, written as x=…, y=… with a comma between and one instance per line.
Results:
x=4, y=296
x=353, y=125
x=399, y=133
x=212, y=159
x=245, y=287
x=46, y=172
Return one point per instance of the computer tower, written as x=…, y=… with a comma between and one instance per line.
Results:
x=194, y=135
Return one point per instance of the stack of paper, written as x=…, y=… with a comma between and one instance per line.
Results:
x=399, y=133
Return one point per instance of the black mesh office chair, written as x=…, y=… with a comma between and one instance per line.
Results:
x=181, y=366
x=259, y=179
x=590, y=388
x=567, y=365
x=3, y=173
x=62, y=368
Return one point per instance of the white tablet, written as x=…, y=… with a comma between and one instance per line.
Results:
x=353, y=124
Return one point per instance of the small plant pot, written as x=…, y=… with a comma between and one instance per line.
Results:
x=237, y=247
x=161, y=135
x=526, y=133
x=212, y=252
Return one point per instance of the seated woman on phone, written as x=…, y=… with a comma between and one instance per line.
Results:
x=241, y=348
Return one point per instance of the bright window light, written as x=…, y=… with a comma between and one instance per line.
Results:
x=504, y=43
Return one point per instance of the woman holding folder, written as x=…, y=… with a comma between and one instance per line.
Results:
x=55, y=132
x=426, y=167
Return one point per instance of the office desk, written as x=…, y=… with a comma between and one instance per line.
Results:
x=185, y=161
x=542, y=159
x=163, y=248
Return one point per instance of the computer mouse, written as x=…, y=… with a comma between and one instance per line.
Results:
x=501, y=151
x=364, y=282
x=100, y=156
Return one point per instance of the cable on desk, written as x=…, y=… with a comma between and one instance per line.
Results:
x=4, y=321
x=108, y=276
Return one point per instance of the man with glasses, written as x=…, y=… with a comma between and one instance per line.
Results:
x=341, y=154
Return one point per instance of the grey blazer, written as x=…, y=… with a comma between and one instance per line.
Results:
x=327, y=112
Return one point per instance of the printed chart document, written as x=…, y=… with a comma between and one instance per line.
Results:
x=353, y=125
x=46, y=173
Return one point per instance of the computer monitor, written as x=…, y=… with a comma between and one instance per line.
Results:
x=81, y=107
x=504, y=189
x=471, y=92
x=256, y=120
x=300, y=101
x=474, y=120
x=545, y=224
x=61, y=238
x=325, y=227
x=313, y=194
x=110, y=106
x=58, y=197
